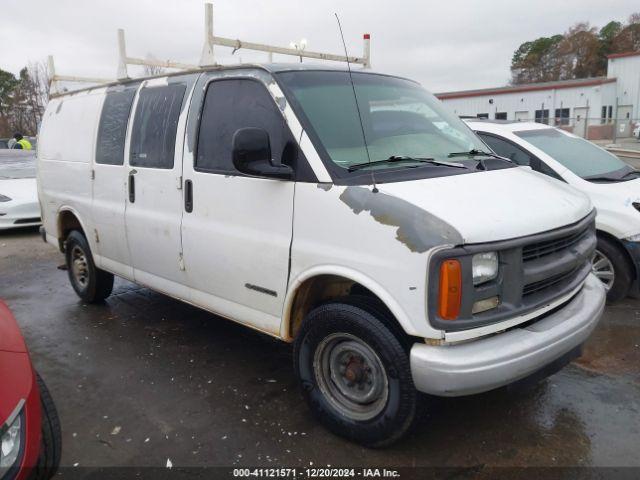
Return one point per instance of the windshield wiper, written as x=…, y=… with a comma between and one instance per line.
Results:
x=611, y=178
x=602, y=178
x=402, y=158
x=632, y=172
x=474, y=152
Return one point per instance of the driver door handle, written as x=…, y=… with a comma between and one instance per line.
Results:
x=188, y=196
x=132, y=186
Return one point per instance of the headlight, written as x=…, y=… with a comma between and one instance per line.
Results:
x=484, y=267
x=10, y=444
x=4, y=198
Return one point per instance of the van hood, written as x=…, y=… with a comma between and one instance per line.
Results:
x=495, y=205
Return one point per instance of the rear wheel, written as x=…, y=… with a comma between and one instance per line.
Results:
x=611, y=266
x=355, y=373
x=90, y=283
x=51, y=448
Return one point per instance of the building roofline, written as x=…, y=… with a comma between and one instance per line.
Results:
x=585, y=82
x=622, y=55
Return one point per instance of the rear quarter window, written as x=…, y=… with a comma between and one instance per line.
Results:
x=69, y=126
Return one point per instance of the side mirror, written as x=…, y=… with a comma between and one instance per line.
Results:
x=251, y=154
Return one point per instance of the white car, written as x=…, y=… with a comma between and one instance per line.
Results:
x=612, y=185
x=375, y=239
x=19, y=205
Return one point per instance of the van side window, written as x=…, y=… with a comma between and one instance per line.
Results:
x=228, y=106
x=153, y=137
x=506, y=149
x=113, y=125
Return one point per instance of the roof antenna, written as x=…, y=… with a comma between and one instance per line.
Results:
x=355, y=96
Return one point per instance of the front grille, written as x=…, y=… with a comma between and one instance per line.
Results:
x=541, y=285
x=553, y=264
x=547, y=247
x=535, y=271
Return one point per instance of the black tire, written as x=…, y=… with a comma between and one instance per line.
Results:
x=92, y=285
x=355, y=321
x=622, y=269
x=51, y=445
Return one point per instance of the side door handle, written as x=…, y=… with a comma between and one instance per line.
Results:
x=188, y=196
x=132, y=186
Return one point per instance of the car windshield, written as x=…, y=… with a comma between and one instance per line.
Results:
x=400, y=120
x=580, y=156
x=17, y=164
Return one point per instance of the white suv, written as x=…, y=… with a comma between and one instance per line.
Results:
x=612, y=185
x=377, y=239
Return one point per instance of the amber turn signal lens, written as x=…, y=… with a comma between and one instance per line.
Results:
x=450, y=289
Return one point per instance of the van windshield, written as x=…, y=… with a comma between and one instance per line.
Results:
x=400, y=119
x=580, y=156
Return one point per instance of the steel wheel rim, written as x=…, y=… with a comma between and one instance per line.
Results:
x=351, y=376
x=79, y=266
x=602, y=268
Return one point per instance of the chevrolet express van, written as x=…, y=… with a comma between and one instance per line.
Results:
x=612, y=185
x=371, y=231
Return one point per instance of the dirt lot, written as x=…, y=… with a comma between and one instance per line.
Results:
x=143, y=378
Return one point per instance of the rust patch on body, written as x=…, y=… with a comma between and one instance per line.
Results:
x=417, y=229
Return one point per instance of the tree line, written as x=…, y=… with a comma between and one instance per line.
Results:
x=581, y=52
x=23, y=99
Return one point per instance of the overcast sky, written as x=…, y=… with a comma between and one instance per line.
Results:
x=446, y=45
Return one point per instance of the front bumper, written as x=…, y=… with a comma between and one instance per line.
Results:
x=485, y=364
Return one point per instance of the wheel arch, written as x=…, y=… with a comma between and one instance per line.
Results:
x=323, y=283
x=616, y=241
x=67, y=220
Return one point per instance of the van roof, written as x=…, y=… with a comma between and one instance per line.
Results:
x=269, y=67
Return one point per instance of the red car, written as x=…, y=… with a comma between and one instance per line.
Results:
x=30, y=437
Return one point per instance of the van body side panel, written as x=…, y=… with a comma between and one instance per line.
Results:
x=65, y=151
x=236, y=240
x=110, y=182
x=236, y=252
x=154, y=169
x=344, y=231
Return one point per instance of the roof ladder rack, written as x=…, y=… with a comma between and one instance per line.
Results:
x=207, y=57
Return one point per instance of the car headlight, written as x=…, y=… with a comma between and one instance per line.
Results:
x=10, y=444
x=4, y=198
x=484, y=267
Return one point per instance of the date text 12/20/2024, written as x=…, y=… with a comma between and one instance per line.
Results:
x=315, y=473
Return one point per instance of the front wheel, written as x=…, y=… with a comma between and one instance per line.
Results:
x=611, y=266
x=355, y=374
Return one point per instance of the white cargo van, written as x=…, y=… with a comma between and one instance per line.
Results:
x=396, y=256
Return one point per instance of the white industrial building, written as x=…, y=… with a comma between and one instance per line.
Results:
x=595, y=108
